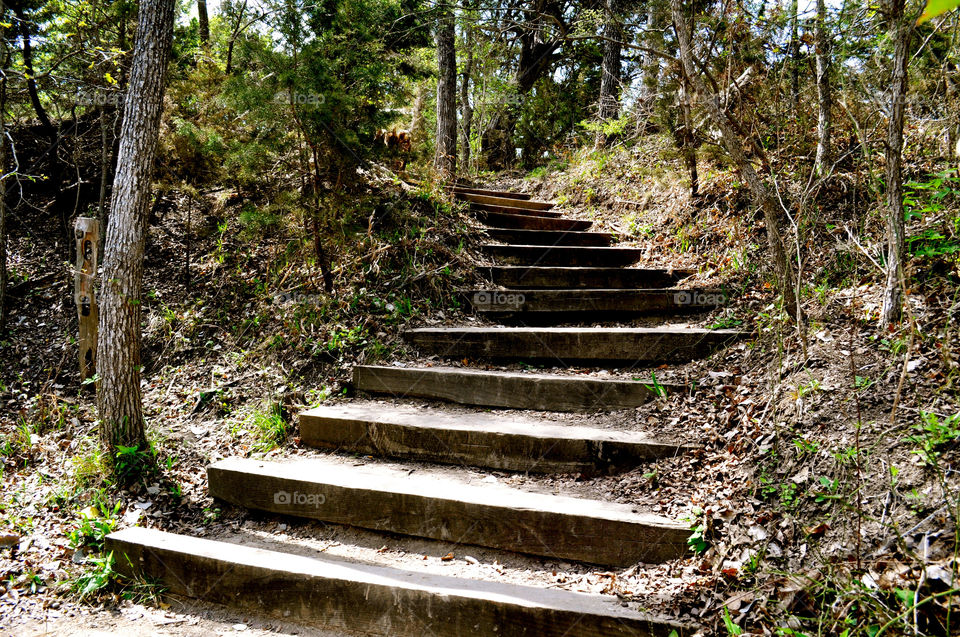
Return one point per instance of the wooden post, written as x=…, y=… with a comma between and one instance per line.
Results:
x=87, y=230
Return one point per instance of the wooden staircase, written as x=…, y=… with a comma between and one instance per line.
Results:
x=548, y=267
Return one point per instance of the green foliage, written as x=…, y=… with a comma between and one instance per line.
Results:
x=933, y=434
x=131, y=463
x=937, y=7
x=96, y=575
x=268, y=426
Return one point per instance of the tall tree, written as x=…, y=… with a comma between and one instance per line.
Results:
x=900, y=30
x=204, y=22
x=794, y=56
x=466, y=108
x=118, y=361
x=24, y=25
x=609, y=106
x=824, y=97
x=733, y=144
x=446, y=159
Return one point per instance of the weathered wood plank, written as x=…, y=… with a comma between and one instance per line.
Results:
x=529, y=204
x=370, y=600
x=631, y=345
x=384, y=499
x=550, y=237
x=491, y=193
x=513, y=210
x=515, y=390
x=87, y=233
x=667, y=301
x=531, y=222
x=480, y=440
x=596, y=278
x=563, y=255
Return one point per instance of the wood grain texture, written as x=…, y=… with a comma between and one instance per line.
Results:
x=530, y=222
x=665, y=301
x=514, y=210
x=491, y=193
x=529, y=204
x=384, y=499
x=596, y=278
x=564, y=344
x=550, y=237
x=481, y=440
x=563, y=255
x=547, y=392
x=369, y=600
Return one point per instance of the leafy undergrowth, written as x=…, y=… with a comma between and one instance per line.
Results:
x=828, y=484
x=233, y=348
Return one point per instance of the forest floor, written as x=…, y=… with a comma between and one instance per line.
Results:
x=824, y=487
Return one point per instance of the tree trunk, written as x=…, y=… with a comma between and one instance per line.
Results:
x=900, y=32
x=609, y=105
x=28, y=67
x=824, y=99
x=466, y=109
x=118, y=392
x=794, y=56
x=446, y=158
x=687, y=138
x=3, y=196
x=204, y=23
x=733, y=144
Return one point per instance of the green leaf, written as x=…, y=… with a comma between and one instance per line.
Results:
x=937, y=7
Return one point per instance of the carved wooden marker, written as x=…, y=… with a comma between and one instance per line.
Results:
x=87, y=232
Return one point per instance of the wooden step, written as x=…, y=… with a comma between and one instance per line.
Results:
x=563, y=255
x=397, y=501
x=514, y=390
x=529, y=204
x=491, y=193
x=550, y=237
x=358, y=598
x=628, y=345
x=531, y=222
x=484, y=440
x=595, y=278
x=512, y=210
x=668, y=301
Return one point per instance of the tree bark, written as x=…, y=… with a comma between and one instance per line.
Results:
x=733, y=144
x=204, y=23
x=609, y=104
x=794, y=55
x=118, y=392
x=466, y=109
x=28, y=67
x=687, y=138
x=824, y=97
x=446, y=157
x=3, y=195
x=900, y=32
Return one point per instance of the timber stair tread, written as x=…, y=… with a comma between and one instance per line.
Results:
x=554, y=277
x=550, y=237
x=514, y=390
x=633, y=301
x=562, y=255
x=367, y=599
x=529, y=204
x=491, y=193
x=513, y=210
x=566, y=344
x=386, y=499
x=513, y=443
x=531, y=222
